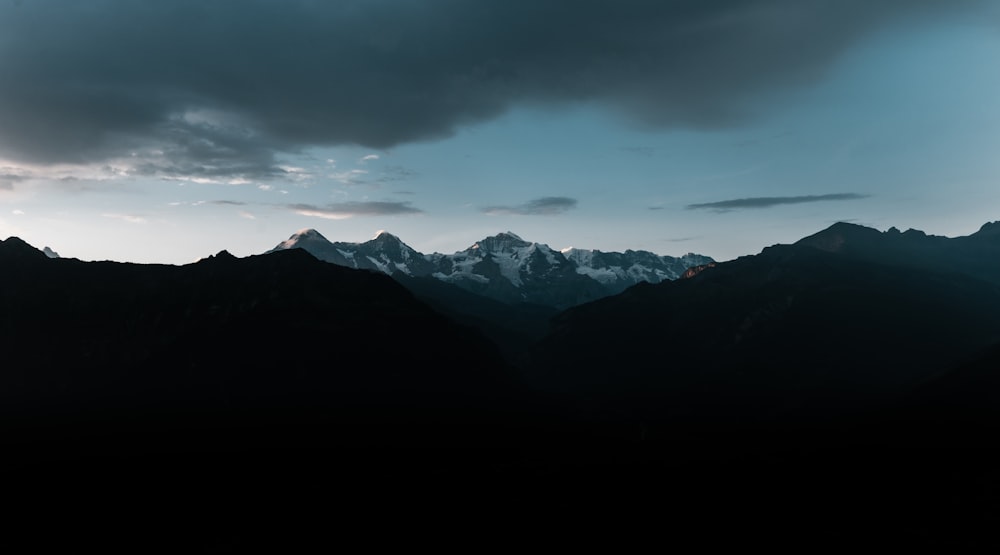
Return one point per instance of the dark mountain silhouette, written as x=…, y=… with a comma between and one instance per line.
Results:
x=958, y=408
x=838, y=323
x=266, y=337
x=976, y=255
x=825, y=392
x=511, y=327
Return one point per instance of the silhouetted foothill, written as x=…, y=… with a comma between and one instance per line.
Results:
x=279, y=332
x=14, y=248
x=977, y=255
x=840, y=323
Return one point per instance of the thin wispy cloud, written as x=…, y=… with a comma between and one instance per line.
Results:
x=350, y=177
x=545, y=206
x=344, y=210
x=368, y=158
x=395, y=173
x=770, y=202
x=130, y=218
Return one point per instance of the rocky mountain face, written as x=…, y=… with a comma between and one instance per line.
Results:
x=618, y=271
x=505, y=267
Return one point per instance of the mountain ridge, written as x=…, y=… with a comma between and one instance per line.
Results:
x=836, y=323
x=504, y=266
x=977, y=254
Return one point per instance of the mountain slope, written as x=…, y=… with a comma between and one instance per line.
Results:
x=274, y=335
x=977, y=255
x=509, y=269
x=619, y=271
x=794, y=330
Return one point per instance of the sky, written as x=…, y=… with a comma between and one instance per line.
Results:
x=164, y=132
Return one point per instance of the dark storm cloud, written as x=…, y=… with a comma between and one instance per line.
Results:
x=206, y=150
x=195, y=88
x=768, y=202
x=342, y=210
x=545, y=206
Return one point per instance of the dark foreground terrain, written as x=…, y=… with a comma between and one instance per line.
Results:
x=814, y=396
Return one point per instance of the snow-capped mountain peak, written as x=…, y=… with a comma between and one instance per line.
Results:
x=384, y=235
x=387, y=240
x=301, y=236
x=618, y=271
x=504, y=266
x=389, y=254
x=500, y=243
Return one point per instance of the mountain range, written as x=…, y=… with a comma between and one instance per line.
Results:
x=849, y=377
x=505, y=267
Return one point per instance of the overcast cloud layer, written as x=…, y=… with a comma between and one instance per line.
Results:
x=220, y=89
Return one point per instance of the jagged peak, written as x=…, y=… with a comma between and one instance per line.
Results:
x=387, y=242
x=510, y=234
x=500, y=242
x=301, y=236
x=50, y=253
x=383, y=235
x=221, y=256
x=307, y=232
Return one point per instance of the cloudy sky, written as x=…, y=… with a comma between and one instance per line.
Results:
x=154, y=131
